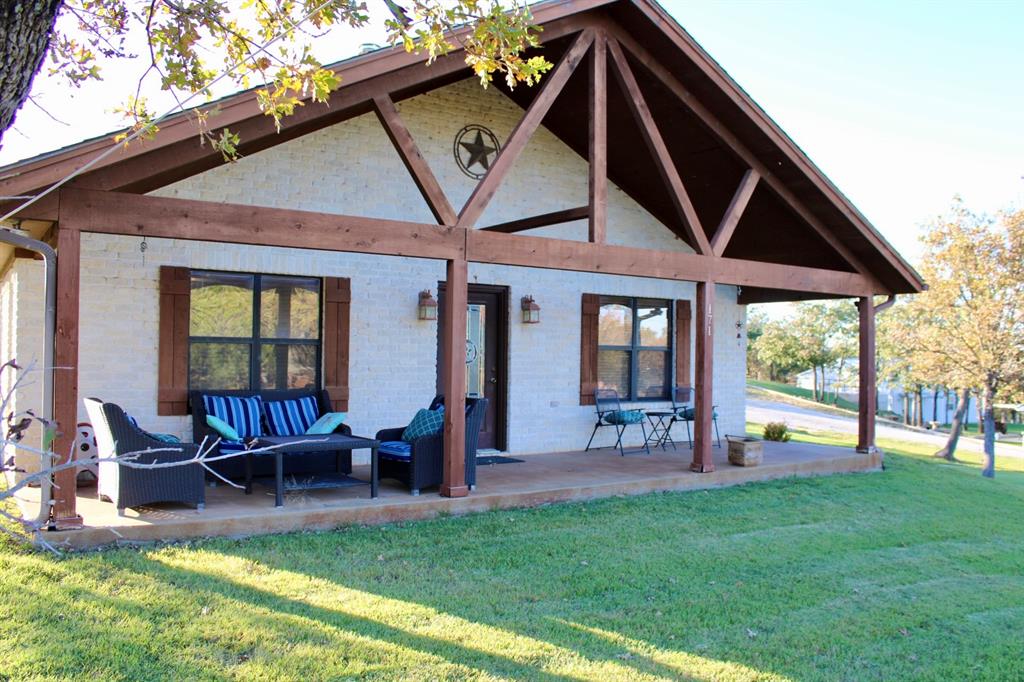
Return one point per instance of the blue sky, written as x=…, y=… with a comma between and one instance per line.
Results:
x=902, y=104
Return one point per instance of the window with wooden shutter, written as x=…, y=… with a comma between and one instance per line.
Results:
x=337, y=303
x=684, y=321
x=172, y=383
x=588, y=348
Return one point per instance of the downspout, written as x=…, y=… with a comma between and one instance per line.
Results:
x=49, y=326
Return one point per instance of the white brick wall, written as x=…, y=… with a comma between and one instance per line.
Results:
x=352, y=168
x=21, y=338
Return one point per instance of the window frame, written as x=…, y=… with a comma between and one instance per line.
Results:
x=255, y=340
x=635, y=348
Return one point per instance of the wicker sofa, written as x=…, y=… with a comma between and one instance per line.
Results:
x=423, y=466
x=308, y=463
x=116, y=435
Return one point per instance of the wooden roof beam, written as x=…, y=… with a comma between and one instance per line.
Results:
x=656, y=145
x=553, y=218
x=735, y=211
x=417, y=166
x=597, y=184
x=551, y=86
x=725, y=135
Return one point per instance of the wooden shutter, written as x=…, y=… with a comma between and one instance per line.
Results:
x=172, y=382
x=337, y=303
x=588, y=348
x=684, y=333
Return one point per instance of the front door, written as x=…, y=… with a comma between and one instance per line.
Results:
x=486, y=355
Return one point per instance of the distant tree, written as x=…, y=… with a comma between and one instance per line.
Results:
x=776, y=349
x=968, y=327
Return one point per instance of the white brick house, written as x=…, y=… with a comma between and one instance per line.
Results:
x=678, y=182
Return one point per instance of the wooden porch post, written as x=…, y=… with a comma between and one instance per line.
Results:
x=65, y=376
x=868, y=396
x=702, y=400
x=453, y=379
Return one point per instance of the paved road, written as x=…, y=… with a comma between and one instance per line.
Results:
x=761, y=411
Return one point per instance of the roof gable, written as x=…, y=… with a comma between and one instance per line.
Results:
x=712, y=130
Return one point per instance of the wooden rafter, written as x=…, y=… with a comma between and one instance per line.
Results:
x=172, y=218
x=597, y=186
x=656, y=145
x=735, y=211
x=553, y=218
x=565, y=254
x=723, y=133
x=551, y=86
x=418, y=167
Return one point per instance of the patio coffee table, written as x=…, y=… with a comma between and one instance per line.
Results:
x=296, y=446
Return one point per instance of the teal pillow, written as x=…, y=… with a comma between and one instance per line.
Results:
x=425, y=423
x=327, y=423
x=224, y=429
x=166, y=437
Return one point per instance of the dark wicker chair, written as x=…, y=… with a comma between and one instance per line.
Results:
x=423, y=468
x=609, y=410
x=309, y=463
x=130, y=487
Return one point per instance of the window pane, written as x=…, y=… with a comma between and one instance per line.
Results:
x=613, y=371
x=289, y=308
x=615, y=324
x=219, y=366
x=221, y=304
x=653, y=317
x=288, y=366
x=653, y=378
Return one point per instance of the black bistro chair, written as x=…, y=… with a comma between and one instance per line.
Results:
x=610, y=413
x=684, y=412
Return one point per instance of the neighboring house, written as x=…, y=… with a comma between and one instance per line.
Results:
x=642, y=246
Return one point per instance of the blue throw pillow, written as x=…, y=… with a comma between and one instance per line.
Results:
x=292, y=417
x=623, y=417
x=425, y=423
x=242, y=413
x=166, y=437
x=223, y=429
x=326, y=424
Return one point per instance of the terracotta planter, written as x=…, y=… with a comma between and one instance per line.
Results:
x=745, y=451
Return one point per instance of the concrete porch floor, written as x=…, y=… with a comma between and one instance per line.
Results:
x=539, y=479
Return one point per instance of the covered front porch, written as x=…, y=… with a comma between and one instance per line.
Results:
x=539, y=479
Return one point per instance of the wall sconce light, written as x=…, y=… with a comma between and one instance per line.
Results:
x=531, y=311
x=427, y=308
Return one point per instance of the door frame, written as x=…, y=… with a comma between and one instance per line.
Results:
x=503, y=294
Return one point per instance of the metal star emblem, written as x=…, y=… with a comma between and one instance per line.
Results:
x=475, y=150
x=478, y=152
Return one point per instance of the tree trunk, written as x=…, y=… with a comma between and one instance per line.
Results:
x=920, y=406
x=980, y=407
x=814, y=369
x=949, y=451
x=906, y=408
x=989, y=420
x=935, y=403
x=24, y=37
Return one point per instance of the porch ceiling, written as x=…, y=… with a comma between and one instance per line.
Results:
x=711, y=157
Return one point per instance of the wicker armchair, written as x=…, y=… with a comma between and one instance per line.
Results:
x=423, y=467
x=129, y=487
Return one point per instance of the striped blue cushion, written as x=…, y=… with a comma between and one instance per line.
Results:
x=292, y=417
x=242, y=413
x=229, y=446
x=395, y=449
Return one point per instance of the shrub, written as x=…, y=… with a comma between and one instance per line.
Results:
x=776, y=431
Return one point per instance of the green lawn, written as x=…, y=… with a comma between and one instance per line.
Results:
x=797, y=392
x=973, y=428
x=914, y=573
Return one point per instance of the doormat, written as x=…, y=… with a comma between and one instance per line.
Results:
x=496, y=459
